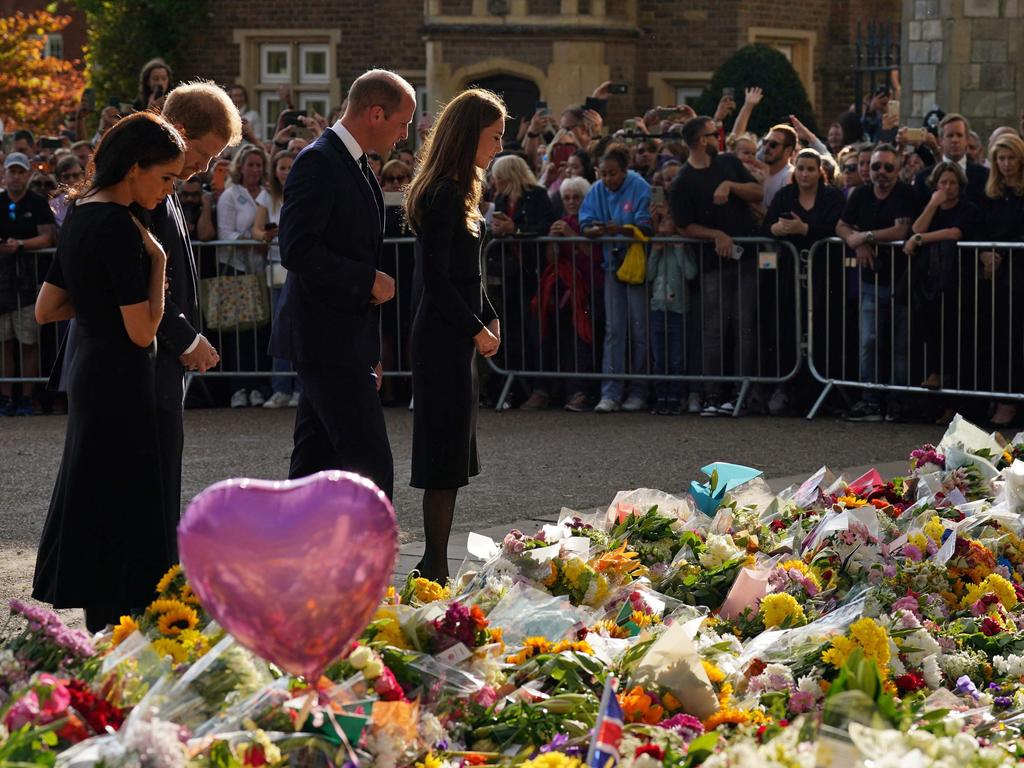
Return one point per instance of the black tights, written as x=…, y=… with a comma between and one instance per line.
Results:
x=98, y=617
x=438, y=511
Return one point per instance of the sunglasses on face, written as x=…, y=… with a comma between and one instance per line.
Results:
x=772, y=144
x=849, y=169
x=889, y=167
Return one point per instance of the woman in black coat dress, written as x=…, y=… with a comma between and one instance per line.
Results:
x=108, y=535
x=454, y=319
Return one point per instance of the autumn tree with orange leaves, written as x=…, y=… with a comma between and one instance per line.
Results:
x=36, y=91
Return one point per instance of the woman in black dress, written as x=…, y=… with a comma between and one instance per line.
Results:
x=107, y=537
x=454, y=318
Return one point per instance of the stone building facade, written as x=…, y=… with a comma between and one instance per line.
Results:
x=964, y=56
x=556, y=50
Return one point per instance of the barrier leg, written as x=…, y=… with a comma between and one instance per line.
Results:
x=818, y=403
x=741, y=398
x=504, y=393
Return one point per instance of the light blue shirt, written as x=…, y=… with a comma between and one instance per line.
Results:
x=629, y=204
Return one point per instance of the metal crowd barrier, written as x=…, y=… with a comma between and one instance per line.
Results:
x=242, y=344
x=943, y=320
x=563, y=318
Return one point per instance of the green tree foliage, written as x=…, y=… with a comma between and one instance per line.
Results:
x=763, y=66
x=124, y=34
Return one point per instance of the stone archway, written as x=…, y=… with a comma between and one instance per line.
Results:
x=520, y=96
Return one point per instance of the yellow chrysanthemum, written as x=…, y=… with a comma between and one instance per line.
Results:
x=919, y=540
x=934, y=529
x=389, y=631
x=865, y=634
x=167, y=647
x=167, y=580
x=427, y=591
x=125, y=627
x=176, y=621
x=994, y=584
x=725, y=694
x=776, y=609
x=195, y=643
x=552, y=760
x=851, y=501
x=715, y=675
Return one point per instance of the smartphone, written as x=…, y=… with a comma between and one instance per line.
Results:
x=729, y=92
x=270, y=225
x=630, y=124
x=89, y=99
x=291, y=117
x=657, y=195
x=667, y=113
x=618, y=88
x=220, y=176
x=542, y=108
x=561, y=153
x=50, y=142
x=595, y=104
x=915, y=135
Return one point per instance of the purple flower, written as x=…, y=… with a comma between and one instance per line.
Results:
x=912, y=553
x=927, y=454
x=1002, y=702
x=966, y=687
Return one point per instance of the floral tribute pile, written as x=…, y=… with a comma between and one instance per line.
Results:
x=845, y=621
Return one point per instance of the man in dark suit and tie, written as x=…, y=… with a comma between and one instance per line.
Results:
x=209, y=121
x=953, y=132
x=331, y=237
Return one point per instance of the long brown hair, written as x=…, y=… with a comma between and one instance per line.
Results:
x=450, y=153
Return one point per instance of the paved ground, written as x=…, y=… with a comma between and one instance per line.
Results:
x=533, y=463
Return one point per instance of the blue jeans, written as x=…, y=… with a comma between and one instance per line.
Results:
x=625, y=324
x=880, y=362
x=283, y=384
x=667, y=353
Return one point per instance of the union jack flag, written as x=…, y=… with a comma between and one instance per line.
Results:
x=604, y=744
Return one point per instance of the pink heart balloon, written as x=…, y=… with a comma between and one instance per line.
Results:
x=292, y=569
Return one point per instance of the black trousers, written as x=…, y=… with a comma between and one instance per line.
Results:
x=340, y=425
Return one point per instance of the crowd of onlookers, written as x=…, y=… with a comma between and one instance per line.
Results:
x=722, y=310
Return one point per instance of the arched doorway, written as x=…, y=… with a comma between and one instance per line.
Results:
x=520, y=95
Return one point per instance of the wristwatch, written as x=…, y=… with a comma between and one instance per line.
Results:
x=869, y=238
x=919, y=239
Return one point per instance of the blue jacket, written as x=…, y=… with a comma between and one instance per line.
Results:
x=629, y=204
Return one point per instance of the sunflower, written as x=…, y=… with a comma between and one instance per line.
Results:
x=175, y=621
x=164, y=605
x=126, y=626
x=167, y=647
x=188, y=596
x=167, y=580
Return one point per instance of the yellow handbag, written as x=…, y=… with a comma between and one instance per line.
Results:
x=633, y=269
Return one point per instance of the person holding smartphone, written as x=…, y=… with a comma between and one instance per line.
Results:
x=268, y=217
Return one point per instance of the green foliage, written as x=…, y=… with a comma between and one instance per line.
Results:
x=762, y=66
x=124, y=35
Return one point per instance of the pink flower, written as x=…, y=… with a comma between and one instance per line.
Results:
x=24, y=712
x=486, y=696
x=912, y=553
x=801, y=701
x=27, y=710
x=57, y=698
x=907, y=603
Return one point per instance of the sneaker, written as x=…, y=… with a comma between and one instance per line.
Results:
x=606, y=405
x=278, y=400
x=634, y=404
x=693, y=403
x=293, y=401
x=537, y=401
x=778, y=403
x=864, y=412
x=577, y=403
x=240, y=399
x=894, y=413
x=710, y=408
x=256, y=398
x=727, y=408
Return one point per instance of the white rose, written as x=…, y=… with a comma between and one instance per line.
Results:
x=719, y=549
x=360, y=657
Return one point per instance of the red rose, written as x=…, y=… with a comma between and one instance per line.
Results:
x=909, y=683
x=651, y=749
x=990, y=627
